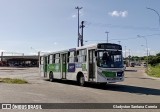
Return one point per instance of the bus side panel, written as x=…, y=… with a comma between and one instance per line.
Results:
x=42, y=70
x=57, y=75
x=85, y=71
x=71, y=72
x=71, y=76
x=74, y=68
x=55, y=69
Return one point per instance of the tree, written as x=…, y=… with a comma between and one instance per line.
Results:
x=154, y=60
x=158, y=54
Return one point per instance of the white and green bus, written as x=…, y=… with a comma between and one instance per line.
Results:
x=99, y=63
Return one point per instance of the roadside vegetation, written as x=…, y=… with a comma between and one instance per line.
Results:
x=13, y=81
x=153, y=61
x=154, y=71
x=154, y=68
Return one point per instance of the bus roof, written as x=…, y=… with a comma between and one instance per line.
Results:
x=77, y=48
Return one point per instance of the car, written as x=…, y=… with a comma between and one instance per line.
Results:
x=124, y=66
x=132, y=64
x=145, y=65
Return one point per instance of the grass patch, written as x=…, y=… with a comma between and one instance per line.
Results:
x=13, y=81
x=154, y=71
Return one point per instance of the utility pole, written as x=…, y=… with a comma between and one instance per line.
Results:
x=82, y=26
x=129, y=56
x=146, y=47
x=125, y=57
x=78, y=8
x=125, y=52
x=107, y=35
x=129, y=52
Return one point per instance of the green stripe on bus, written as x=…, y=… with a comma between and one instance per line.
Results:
x=84, y=67
x=64, y=68
x=108, y=74
x=54, y=67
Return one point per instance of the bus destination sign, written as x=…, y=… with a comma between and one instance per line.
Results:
x=109, y=46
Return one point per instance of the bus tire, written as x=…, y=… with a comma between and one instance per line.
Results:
x=51, y=77
x=81, y=80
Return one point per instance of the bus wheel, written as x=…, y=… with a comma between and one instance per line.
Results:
x=51, y=77
x=81, y=80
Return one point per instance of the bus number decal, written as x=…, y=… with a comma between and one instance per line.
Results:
x=71, y=67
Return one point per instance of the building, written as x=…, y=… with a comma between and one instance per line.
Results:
x=20, y=61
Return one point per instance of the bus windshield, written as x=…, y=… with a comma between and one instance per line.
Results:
x=109, y=59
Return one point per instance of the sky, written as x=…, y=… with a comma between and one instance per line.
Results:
x=29, y=26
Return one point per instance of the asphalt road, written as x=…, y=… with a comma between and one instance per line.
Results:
x=137, y=88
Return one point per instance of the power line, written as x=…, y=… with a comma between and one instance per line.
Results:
x=125, y=38
x=130, y=27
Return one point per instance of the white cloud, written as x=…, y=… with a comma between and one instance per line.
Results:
x=74, y=16
x=118, y=13
x=124, y=13
x=55, y=43
x=1, y=50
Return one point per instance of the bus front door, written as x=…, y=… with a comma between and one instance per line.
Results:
x=64, y=65
x=91, y=64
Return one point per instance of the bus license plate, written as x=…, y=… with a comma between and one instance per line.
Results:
x=115, y=78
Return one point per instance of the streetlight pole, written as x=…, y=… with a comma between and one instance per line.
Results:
x=78, y=8
x=125, y=52
x=125, y=58
x=146, y=47
x=107, y=35
x=129, y=57
x=155, y=12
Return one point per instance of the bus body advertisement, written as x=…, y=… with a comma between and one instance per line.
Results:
x=99, y=63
